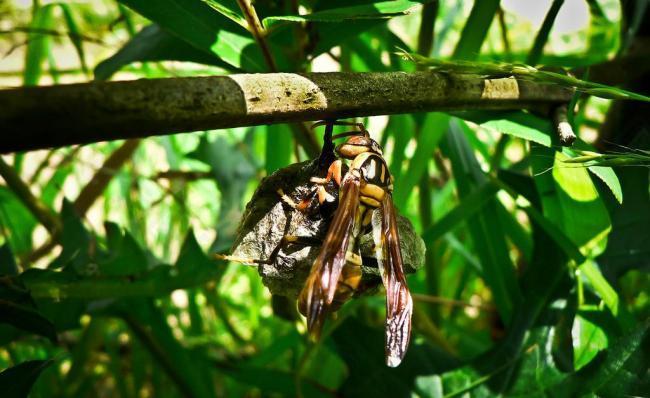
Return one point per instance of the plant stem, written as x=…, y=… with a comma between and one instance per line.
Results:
x=258, y=32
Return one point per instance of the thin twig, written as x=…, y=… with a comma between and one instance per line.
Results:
x=52, y=32
x=450, y=302
x=92, y=190
x=98, y=183
x=191, y=175
x=38, y=209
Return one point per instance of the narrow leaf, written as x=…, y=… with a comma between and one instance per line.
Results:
x=39, y=44
x=16, y=382
x=378, y=10
x=26, y=318
x=155, y=44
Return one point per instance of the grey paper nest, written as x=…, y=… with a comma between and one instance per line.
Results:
x=267, y=219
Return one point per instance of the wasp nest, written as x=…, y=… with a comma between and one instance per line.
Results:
x=267, y=219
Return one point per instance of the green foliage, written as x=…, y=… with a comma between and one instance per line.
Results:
x=536, y=277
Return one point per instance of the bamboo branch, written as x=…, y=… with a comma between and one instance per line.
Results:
x=45, y=117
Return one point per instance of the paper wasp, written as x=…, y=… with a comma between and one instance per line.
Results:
x=365, y=203
x=333, y=209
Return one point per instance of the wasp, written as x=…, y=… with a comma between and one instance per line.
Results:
x=364, y=205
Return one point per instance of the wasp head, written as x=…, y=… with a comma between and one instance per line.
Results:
x=357, y=144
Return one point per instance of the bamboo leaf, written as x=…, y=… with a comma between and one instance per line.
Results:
x=476, y=29
x=598, y=373
x=155, y=44
x=497, y=268
x=279, y=145
x=16, y=382
x=377, y=10
x=527, y=72
x=433, y=129
x=39, y=44
x=205, y=29
x=467, y=207
x=27, y=319
x=74, y=34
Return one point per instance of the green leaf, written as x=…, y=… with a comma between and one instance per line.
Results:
x=628, y=244
x=607, y=294
x=476, y=29
x=16, y=382
x=401, y=128
x=26, y=318
x=229, y=9
x=540, y=130
x=369, y=376
x=562, y=241
x=17, y=221
x=433, y=129
x=497, y=268
x=125, y=256
x=279, y=145
x=542, y=35
x=232, y=170
x=154, y=44
x=590, y=339
x=378, y=10
x=205, y=29
x=606, y=367
x=518, y=124
x=569, y=198
x=609, y=177
x=8, y=264
x=74, y=33
x=191, y=257
x=466, y=208
x=184, y=367
x=75, y=241
x=38, y=45
x=273, y=381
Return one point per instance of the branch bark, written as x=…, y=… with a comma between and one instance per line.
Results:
x=45, y=117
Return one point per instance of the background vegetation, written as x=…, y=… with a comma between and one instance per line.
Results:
x=536, y=277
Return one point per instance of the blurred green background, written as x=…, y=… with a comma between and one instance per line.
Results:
x=536, y=277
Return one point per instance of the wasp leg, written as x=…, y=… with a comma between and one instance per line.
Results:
x=284, y=242
x=305, y=205
x=334, y=172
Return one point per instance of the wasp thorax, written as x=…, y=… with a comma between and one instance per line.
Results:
x=356, y=145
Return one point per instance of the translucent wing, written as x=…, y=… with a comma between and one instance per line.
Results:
x=399, y=305
x=320, y=287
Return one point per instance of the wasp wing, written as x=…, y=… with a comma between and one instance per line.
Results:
x=320, y=287
x=399, y=305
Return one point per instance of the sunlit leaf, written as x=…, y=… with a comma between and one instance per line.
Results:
x=377, y=10
x=154, y=44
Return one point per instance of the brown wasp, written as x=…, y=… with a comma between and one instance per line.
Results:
x=365, y=203
x=335, y=211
